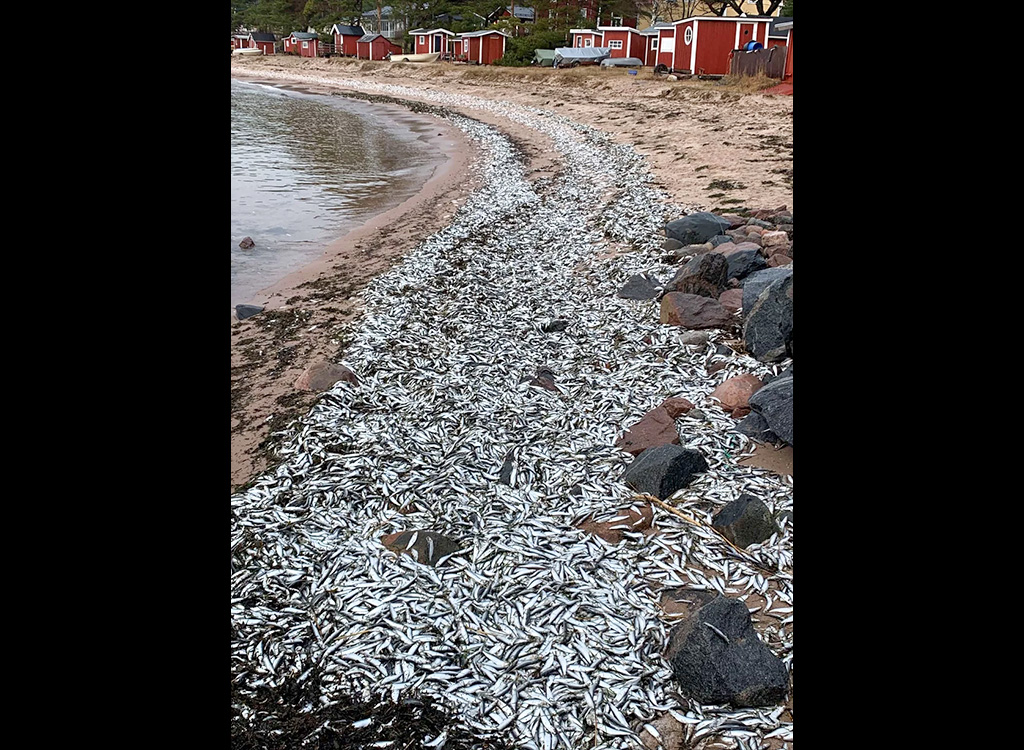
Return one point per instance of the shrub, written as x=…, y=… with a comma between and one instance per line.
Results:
x=519, y=50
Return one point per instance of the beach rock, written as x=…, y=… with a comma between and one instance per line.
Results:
x=774, y=402
x=742, y=263
x=671, y=244
x=676, y=407
x=696, y=228
x=760, y=223
x=322, y=375
x=428, y=547
x=724, y=350
x=639, y=287
x=756, y=283
x=779, y=261
x=720, y=239
x=734, y=283
x=745, y=521
x=554, y=325
x=734, y=394
x=247, y=243
x=726, y=664
x=656, y=427
x=662, y=470
x=693, y=311
x=768, y=331
x=671, y=734
x=731, y=300
x=696, y=413
x=735, y=220
x=695, y=338
x=756, y=428
x=505, y=474
x=705, y=275
x=636, y=518
x=725, y=248
x=713, y=366
x=775, y=238
x=754, y=239
x=545, y=378
x=787, y=373
x=247, y=311
x=746, y=245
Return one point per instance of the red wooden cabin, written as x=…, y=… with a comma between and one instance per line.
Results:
x=240, y=41
x=787, y=76
x=702, y=44
x=481, y=47
x=265, y=42
x=346, y=38
x=375, y=47
x=432, y=40
x=586, y=38
x=302, y=42
x=624, y=41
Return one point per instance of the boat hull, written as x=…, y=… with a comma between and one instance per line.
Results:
x=426, y=57
x=247, y=51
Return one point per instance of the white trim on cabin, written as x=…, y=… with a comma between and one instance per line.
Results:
x=654, y=43
x=693, y=49
x=615, y=43
x=588, y=42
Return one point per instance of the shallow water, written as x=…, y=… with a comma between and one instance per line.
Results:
x=307, y=168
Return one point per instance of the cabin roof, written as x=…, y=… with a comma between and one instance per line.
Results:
x=344, y=30
x=262, y=36
x=369, y=37
x=774, y=30
x=483, y=32
x=304, y=35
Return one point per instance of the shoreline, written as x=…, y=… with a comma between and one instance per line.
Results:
x=306, y=312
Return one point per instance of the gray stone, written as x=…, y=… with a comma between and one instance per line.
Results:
x=760, y=223
x=720, y=239
x=639, y=286
x=695, y=338
x=727, y=662
x=247, y=311
x=756, y=282
x=745, y=521
x=696, y=228
x=742, y=263
x=768, y=329
x=247, y=243
x=671, y=244
x=774, y=402
x=555, y=325
x=756, y=427
x=662, y=470
x=706, y=276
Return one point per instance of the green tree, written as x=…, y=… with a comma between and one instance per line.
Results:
x=787, y=8
x=764, y=7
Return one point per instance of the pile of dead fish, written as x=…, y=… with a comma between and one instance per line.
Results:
x=478, y=422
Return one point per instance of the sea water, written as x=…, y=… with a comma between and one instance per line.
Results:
x=307, y=168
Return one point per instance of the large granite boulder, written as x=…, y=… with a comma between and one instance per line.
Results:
x=774, y=402
x=698, y=227
x=694, y=311
x=662, y=470
x=756, y=283
x=756, y=427
x=768, y=329
x=745, y=521
x=716, y=658
x=704, y=275
x=742, y=263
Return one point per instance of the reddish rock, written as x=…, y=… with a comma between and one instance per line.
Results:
x=725, y=248
x=747, y=246
x=424, y=546
x=676, y=406
x=779, y=259
x=734, y=394
x=735, y=221
x=637, y=517
x=693, y=311
x=774, y=238
x=247, y=243
x=657, y=427
x=732, y=299
x=754, y=229
x=714, y=367
x=321, y=376
x=545, y=378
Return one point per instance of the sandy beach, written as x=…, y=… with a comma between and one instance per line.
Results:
x=466, y=521
x=708, y=147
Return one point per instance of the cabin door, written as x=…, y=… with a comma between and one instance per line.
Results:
x=437, y=43
x=746, y=35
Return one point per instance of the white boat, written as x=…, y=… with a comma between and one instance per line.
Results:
x=247, y=51
x=425, y=57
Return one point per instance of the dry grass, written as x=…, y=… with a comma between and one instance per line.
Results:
x=747, y=84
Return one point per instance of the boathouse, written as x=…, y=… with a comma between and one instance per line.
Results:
x=302, y=43
x=375, y=47
x=264, y=41
x=432, y=40
x=623, y=41
x=346, y=38
x=702, y=44
x=586, y=38
x=652, y=42
x=481, y=47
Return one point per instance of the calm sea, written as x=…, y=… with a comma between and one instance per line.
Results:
x=307, y=168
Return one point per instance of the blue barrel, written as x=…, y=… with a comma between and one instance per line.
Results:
x=751, y=46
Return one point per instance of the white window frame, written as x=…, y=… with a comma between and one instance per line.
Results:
x=616, y=20
x=305, y=45
x=688, y=35
x=423, y=39
x=654, y=43
x=588, y=42
x=615, y=44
